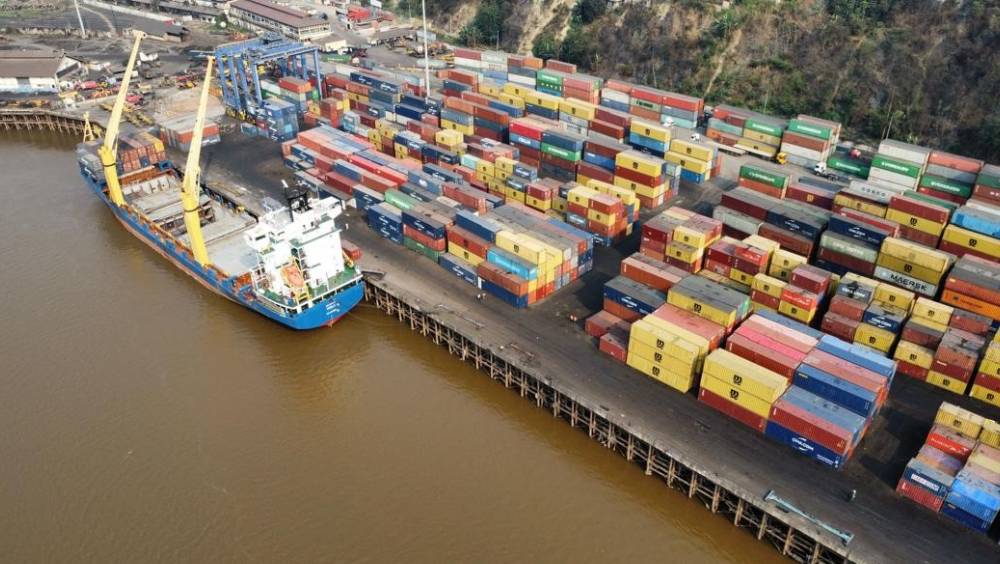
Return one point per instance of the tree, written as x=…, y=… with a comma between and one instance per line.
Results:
x=578, y=48
x=586, y=11
x=545, y=46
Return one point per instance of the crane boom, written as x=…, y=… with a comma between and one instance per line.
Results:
x=108, y=151
x=191, y=192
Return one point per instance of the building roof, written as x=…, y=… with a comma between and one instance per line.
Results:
x=29, y=63
x=288, y=16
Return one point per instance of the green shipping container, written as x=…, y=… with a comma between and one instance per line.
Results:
x=762, y=127
x=989, y=179
x=419, y=247
x=756, y=174
x=561, y=153
x=644, y=104
x=548, y=78
x=897, y=166
x=400, y=200
x=850, y=166
x=724, y=127
x=946, y=186
x=810, y=129
x=950, y=206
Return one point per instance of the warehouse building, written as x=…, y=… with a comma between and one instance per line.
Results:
x=35, y=71
x=261, y=15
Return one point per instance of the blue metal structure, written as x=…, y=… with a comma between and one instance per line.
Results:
x=238, y=64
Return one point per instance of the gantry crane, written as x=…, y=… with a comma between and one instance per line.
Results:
x=108, y=151
x=191, y=191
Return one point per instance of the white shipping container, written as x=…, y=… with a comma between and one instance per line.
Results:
x=494, y=57
x=500, y=67
x=878, y=191
x=614, y=95
x=468, y=63
x=523, y=80
x=578, y=121
x=802, y=152
x=892, y=178
x=904, y=151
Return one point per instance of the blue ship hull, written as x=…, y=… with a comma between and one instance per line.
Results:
x=323, y=313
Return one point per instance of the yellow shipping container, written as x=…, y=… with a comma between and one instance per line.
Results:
x=400, y=151
x=447, y=137
x=602, y=218
x=945, y=382
x=691, y=237
x=689, y=149
x=740, y=276
x=847, y=201
x=642, y=163
x=934, y=311
x=686, y=355
x=786, y=259
x=991, y=397
x=684, y=252
x=541, y=205
x=736, y=395
x=986, y=461
x=624, y=194
x=505, y=164
x=515, y=89
x=688, y=162
x=464, y=254
x=910, y=268
x=762, y=243
x=795, y=312
x=485, y=168
x=463, y=129
x=762, y=138
x=513, y=100
x=768, y=285
x=679, y=332
x=915, y=253
x=521, y=246
x=512, y=194
x=650, y=129
x=559, y=204
x=581, y=195
x=874, y=337
x=745, y=375
x=962, y=420
x=919, y=223
x=488, y=89
x=647, y=191
x=757, y=307
x=939, y=327
x=914, y=354
x=577, y=108
x=972, y=240
x=650, y=369
x=990, y=435
x=669, y=366
x=990, y=367
x=542, y=99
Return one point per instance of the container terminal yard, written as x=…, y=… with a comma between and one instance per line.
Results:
x=809, y=512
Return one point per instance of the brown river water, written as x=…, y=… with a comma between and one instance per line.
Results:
x=145, y=419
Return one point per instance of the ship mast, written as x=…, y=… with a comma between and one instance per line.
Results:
x=108, y=151
x=191, y=192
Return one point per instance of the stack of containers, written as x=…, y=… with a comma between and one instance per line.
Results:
x=974, y=230
x=957, y=471
x=762, y=135
x=740, y=388
x=986, y=386
x=852, y=241
x=603, y=214
x=646, y=103
x=912, y=266
x=796, y=226
x=804, y=293
x=819, y=193
x=539, y=103
x=765, y=180
x=178, y=133
x=631, y=300
x=297, y=91
x=523, y=69
x=955, y=359
x=576, y=115
x=561, y=151
x=699, y=162
x=987, y=186
x=867, y=312
x=680, y=237
x=526, y=136
x=950, y=177
x=616, y=95
x=599, y=160
x=649, y=137
x=583, y=87
x=742, y=211
x=457, y=115
x=681, y=110
x=974, y=284
x=715, y=302
x=646, y=175
x=670, y=346
x=899, y=164
x=735, y=260
x=921, y=336
x=920, y=220
x=279, y=120
x=726, y=124
x=809, y=140
x=457, y=81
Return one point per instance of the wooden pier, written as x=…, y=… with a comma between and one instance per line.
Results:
x=41, y=119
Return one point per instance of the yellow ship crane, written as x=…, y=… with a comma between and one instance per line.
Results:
x=108, y=151
x=191, y=192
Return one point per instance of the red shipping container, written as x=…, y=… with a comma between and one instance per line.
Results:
x=954, y=198
x=755, y=353
x=917, y=236
x=620, y=311
x=648, y=94
x=788, y=240
x=805, y=141
x=919, y=208
x=839, y=326
x=769, y=341
x=955, y=162
x=765, y=300
x=911, y=370
x=950, y=442
x=638, y=177
x=644, y=113
x=811, y=426
x=811, y=195
x=717, y=267
x=780, y=334
x=595, y=172
x=849, y=308
x=853, y=264
x=748, y=418
x=527, y=128
x=972, y=322
x=613, y=117
x=560, y=66
x=468, y=241
x=800, y=298
x=850, y=372
x=811, y=278
x=475, y=98
x=763, y=188
x=988, y=381
x=920, y=495
x=680, y=101
x=423, y=239
x=987, y=194
x=609, y=129
x=601, y=322
x=615, y=346
x=889, y=226
x=618, y=86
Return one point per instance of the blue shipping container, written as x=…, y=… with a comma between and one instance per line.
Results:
x=840, y=392
x=804, y=445
x=459, y=268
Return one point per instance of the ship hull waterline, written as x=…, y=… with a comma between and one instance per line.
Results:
x=323, y=314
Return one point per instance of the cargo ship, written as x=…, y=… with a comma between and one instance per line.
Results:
x=286, y=264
